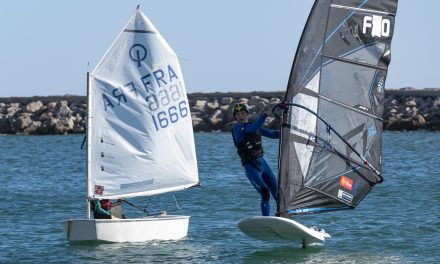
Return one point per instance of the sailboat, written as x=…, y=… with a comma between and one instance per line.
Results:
x=140, y=138
x=331, y=134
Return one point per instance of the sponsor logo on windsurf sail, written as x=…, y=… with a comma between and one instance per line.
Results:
x=363, y=108
x=301, y=211
x=372, y=131
x=346, y=182
x=355, y=188
x=345, y=196
x=377, y=26
x=380, y=84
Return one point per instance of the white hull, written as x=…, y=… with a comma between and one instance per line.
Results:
x=169, y=227
x=272, y=228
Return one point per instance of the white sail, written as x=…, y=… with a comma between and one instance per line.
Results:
x=140, y=136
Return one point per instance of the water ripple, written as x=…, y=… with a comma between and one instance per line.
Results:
x=42, y=182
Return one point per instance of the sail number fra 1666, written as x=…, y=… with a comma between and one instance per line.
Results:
x=163, y=118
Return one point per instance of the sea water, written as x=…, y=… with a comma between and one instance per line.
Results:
x=42, y=183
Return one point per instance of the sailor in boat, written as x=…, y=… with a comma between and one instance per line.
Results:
x=247, y=139
x=104, y=209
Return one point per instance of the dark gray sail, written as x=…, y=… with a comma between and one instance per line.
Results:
x=330, y=147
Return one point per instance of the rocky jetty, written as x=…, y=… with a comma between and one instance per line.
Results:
x=43, y=115
x=409, y=109
x=213, y=112
x=405, y=109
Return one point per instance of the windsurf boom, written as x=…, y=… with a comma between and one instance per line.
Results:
x=336, y=87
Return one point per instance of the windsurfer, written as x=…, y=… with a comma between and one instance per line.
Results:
x=247, y=139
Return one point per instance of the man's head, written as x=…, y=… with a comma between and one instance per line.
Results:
x=241, y=113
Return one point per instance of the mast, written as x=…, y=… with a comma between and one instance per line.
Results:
x=89, y=105
x=280, y=206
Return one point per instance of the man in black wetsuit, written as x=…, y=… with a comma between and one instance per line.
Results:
x=247, y=139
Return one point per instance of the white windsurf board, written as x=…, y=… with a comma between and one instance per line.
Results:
x=272, y=228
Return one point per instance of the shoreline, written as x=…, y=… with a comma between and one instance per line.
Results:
x=405, y=109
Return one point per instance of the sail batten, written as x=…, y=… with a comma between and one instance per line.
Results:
x=362, y=10
x=150, y=192
x=353, y=62
x=330, y=147
x=336, y=102
x=140, y=31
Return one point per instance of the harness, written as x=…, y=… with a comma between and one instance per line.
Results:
x=250, y=148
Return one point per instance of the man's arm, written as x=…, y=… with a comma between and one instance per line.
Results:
x=257, y=124
x=99, y=209
x=270, y=133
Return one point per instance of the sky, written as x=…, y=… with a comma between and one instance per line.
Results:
x=47, y=46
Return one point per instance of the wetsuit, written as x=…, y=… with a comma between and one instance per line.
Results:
x=247, y=139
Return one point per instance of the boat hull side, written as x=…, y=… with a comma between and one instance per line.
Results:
x=127, y=230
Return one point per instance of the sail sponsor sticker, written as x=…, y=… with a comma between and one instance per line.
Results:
x=345, y=196
x=99, y=190
x=372, y=131
x=376, y=26
x=381, y=79
x=346, y=182
x=355, y=188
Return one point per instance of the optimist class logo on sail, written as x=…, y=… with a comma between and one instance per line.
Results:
x=165, y=93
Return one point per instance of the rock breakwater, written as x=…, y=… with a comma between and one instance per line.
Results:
x=405, y=109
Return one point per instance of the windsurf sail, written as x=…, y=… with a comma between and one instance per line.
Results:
x=330, y=146
x=140, y=135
